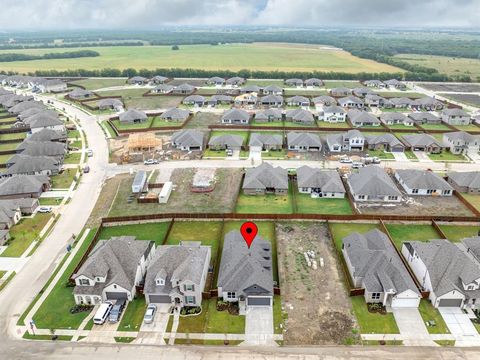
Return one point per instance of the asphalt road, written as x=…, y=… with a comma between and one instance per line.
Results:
x=25, y=285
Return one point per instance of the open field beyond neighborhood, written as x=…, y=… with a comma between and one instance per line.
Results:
x=258, y=56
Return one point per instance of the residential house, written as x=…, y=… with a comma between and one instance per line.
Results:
x=372, y=183
x=132, y=116
x=175, y=114
x=235, y=81
x=33, y=111
x=313, y=82
x=303, y=141
x=183, y=89
x=272, y=90
x=23, y=186
x=188, y=140
x=301, y=116
x=236, y=117
x=25, y=105
x=245, y=274
x=449, y=272
x=423, y=142
x=362, y=118
x=250, y=89
x=246, y=99
x=455, y=117
x=40, y=121
x=426, y=103
x=424, y=118
x=158, y=79
x=50, y=85
x=113, y=270
x=395, y=118
x=10, y=213
x=374, y=100
x=324, y=100
x=340, y=92
x=374, y=265
x=422, y=182
x=163, y=89
x=465, y=182
x=48, y=135
x=268, y=115
x=461, y=142
x=177, y=274
x=216, y=80
x=220, y=99
x=194, y=100
x=395, y=84
x=4, y=236
x=294, y=82
x=401, y=102
x=57, y=150
x=226, y=141
x=320, y=183
x=32, y=165
x=271, y=100
x=265, y=179
x=110, y=104
x=352, y=140
x=298, y=101
x=374, y=83
x=362, y=91
x=384, y=141
x=80, y=94
x=334, y=114
x=137, y=80
x=265, y=142
x=351, y=102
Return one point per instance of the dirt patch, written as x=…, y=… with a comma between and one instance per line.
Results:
x=182, y=199
x=203, y=119
x=419, y=205
x=318, y=307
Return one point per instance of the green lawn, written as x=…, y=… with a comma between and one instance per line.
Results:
x=410, y=155
x=73, y=134
x=429, y=313
x=241, y=133
x=233, y=57
x=401, y=127
x=435, y=127
x=266, y=82
x=264, y=204
x=2, y=274
x=470, y=127
x=54, y=313
x=98, y=83
x=7, y=280
x=447, y=156
x=410, y=232
x=72, y=158
x=147, y=231
x=381, y=154
x=19, y=136
x=158, y=122
x=372, y=323
x=274, y=155
x=63, y=180
x=9, y=146
x=214, y=154
x=142, y=125
x=473, y=199
x=208, y=232
x=109, y=129
x=279, y=124
x=50, y=201
x=133, y=316
x=329, y=84
x=458, y=232
x=76, y=144
x=212, y=321
x=124, y=340
x=326, y=124
x=5, y=158
x=341, y=230
x=24, y=233
x=28, y=336
x=279, y=316
x=308, y=205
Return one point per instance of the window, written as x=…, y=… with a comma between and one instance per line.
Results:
x=231, y=295
x=160, y=282
x=391, y=197
x=414, y=191
x=190, y=299
x=114, y=286
x=189, y=287
x=375, y=296
x=430, y=191
x=84, y=282
x=470, y=287
x=361, y=197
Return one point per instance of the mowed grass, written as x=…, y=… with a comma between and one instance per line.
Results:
x=458, y=232
x=99, y=83
x=308, y=205
x=258, y=56
x=473, y=199
x=264, y=204
x=372, y=323
x=447, y=156
x=429, y=313
x=148, y=231
x=445, y=64
x=409, y=232
x=133, y=316
x=341, y=230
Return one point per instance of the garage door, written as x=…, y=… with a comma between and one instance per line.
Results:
x=160, y=299
x=258, y=301
x=116, y=296
x=450, y=303
x=403, y=303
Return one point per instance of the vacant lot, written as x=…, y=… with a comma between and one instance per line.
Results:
x=469, y=99
x=203, y=119
x=419, y=205
x=221, y=199
x=316, y=302
x=260, y=56
x=445, y=65
x=440, y=87
x=100, y=83
x=133, y=98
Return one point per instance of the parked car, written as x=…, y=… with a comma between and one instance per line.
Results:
x=229, y=152
x=357, y=165
x=346, y=160
x=150, y=162
x=116, y=311
x=86, y=169
x=150, y=314
x=102, y=313
x=89, y=152
x=45, y=209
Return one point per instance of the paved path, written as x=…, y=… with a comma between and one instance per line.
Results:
x=12, y=263
x=460, y=326
x=259, y=326
x=412, y=327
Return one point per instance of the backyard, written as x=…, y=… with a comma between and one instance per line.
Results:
x=411, y=232
x=146, y=231
x=308, y=205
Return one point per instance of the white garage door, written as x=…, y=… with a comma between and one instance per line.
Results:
x=403, y=303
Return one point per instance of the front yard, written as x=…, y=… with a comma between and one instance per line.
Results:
x=133, y=316
x=447, y=156
x=72, y=158
x=429, y=313
x=381, y=154
x=372, y=323
x=63, y=180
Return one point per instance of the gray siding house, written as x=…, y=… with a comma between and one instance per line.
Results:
x=422, y=182
x=455, y=117
x=265, y=179
x=303, y=141
x=320, y=183
x=461, y=142
x=468, y=182
x=236, y=117
x=132, y=116
x=265, y=142
x=188, y=140
x=372, y=183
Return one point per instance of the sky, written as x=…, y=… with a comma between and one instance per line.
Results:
x=153, y=14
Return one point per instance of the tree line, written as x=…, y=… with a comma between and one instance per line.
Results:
x=8, y=57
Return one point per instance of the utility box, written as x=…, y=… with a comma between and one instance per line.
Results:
x=165, y=192
x=139, y=182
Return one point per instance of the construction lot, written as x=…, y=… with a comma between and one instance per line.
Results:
x=418, y=205
x=182, y=199
x=318, y=307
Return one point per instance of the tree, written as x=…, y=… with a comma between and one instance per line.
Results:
x=175, y=47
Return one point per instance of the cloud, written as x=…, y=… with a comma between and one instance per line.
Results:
x=153, y=14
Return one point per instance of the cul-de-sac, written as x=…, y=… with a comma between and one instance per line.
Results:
x=259, y=189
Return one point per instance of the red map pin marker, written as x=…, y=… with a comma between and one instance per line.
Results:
x=249, y=231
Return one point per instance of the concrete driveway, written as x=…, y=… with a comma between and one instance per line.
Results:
x=458, y=322
x=422, y=156
x=259, y=326
x=412, y=327
x=399, y=156
x=154, y=333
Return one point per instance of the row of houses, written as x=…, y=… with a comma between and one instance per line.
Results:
x=36, y=84
x=134, y=116
x=176, y=274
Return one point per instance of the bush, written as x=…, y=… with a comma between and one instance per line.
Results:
x=80, y=308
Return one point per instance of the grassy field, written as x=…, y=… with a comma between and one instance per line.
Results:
x=401, y=233
x=308, y=205
x=444, y=64
x=459, y=232
x=264, y=204
x=447, y=156
x=148, y=231
x=262, y=56
x=473, y=199
x=99, y=83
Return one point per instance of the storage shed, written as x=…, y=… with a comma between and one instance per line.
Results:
x=139, y=182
